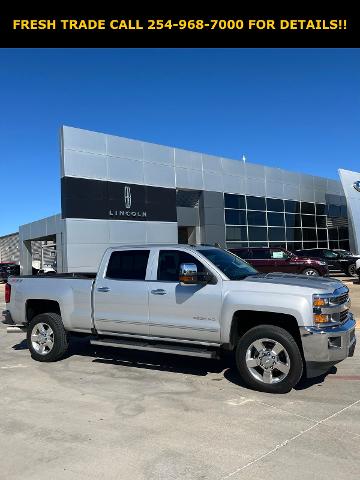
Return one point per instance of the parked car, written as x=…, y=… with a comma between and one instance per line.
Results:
x=358, y=268
x=269, y=259
x=337, y=261
x=190, y=300
x=7, y=269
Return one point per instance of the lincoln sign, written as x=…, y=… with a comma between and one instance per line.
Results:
x=100, y=199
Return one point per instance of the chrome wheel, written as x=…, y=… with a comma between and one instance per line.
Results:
x=42, y=338
x=352, y=270
x=267, y=361
x=310, y=272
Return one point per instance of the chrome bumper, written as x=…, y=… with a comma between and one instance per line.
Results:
x=324, y=347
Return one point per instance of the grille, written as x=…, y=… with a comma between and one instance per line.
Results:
x=343, y=316
x=340, y=299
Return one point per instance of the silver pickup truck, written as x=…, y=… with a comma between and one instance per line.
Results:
x=190, y=300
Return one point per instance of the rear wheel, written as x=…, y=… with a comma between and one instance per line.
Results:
x=352, y=270
x=269, y=360
x=47, y=338
x=311, y=272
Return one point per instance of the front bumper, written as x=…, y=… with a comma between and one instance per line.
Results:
x=327, y=346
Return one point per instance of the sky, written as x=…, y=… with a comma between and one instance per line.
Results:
x=297, y=109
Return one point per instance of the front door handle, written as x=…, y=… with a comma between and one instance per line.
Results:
x=103, y=289
x=158, y=291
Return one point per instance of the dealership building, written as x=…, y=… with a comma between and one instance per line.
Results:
x=120, y=191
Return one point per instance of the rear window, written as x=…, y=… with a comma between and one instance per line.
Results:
x=128, y=265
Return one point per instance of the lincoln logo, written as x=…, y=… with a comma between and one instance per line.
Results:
x=127, y=196
x=356, y=185
x=127, y=213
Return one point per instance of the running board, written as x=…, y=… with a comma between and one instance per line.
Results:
x=16, y=328
x=155, y=347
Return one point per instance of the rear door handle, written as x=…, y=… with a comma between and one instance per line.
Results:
x=158, y=291
x=103, y=289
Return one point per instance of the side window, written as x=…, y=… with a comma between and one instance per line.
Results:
x=128, y=265
x=261, y=254
x=169, y=264
x=330, y=254
x=279, y=254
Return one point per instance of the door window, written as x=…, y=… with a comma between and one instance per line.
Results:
x=128, y=265
x=261, y=254
x=169, y=264
x=279, y=254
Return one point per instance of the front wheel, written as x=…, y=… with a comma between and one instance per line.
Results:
x=352, y=270
x=47, y=338
x=269, y=360
x=311, y=272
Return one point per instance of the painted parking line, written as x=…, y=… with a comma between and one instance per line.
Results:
x=6, y=367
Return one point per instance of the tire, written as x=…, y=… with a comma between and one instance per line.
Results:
x=351, y=270
x=311, y=272
x=266, y=377
x=47, y=338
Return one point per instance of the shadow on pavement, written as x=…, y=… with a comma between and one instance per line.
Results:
x=165, y=362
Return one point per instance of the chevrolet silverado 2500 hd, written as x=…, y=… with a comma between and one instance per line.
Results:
x=191, y=300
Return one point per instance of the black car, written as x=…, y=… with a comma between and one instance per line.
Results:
x=336, y=260
x=7, y=269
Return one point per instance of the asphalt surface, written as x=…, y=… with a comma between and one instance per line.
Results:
x=112, y=414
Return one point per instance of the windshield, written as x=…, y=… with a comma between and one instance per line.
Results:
x=231, y=265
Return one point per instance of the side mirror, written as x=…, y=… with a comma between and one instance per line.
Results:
x=188, y=274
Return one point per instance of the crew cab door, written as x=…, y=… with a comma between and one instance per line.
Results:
x=183, y=311
x=121, y=303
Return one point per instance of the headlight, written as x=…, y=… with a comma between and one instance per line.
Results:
x=321, y=315
x=322, y=263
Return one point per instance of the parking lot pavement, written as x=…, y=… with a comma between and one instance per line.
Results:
x=113, y=414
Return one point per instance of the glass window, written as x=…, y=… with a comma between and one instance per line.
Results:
x=334, y=211
x=293, y=234
x=128, y=265
x=344, y=244
x=330, y=254
x=276, y=234
x=234, y=201
x=308, y=220
x=277, y=253
x=343, y=233
x=242, y=252
x=307, y=207
x=320, y=209
x=333, y=244
x=231, y=265
x=343, y=211
x=235, y=217
x=278, y=244
x=258, y=244
x=236, y=233
x=261, y=254
x=275, y=204
x=235, y=245
x=255, y=203
x=256, y=218
x=169, y=264
x=294, y=246
x=309, y=234
x=292, y=207
x=257, y=234
x=275, y=219
x=322, y=244
x=310, y=245
x=321, y=222
x=293, y=220
x=333, y=234
x=322, y=234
